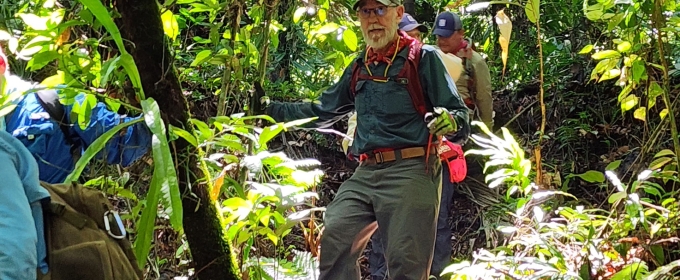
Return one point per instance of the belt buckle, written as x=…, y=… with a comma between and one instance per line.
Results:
x=379, y=158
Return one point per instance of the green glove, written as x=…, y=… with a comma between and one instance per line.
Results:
x=442, y=122
x=259, y=101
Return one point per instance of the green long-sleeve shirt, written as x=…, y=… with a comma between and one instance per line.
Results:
x=387, y=118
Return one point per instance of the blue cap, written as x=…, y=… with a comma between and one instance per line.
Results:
x=409, y=23
x=446, y=24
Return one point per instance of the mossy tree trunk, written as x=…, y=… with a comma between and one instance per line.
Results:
x=141, y=25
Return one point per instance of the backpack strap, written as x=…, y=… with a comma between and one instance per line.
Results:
x=72, y=217
x=49, y=100
x=409, y=76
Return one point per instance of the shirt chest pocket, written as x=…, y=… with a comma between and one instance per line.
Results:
x=36, y=135
x=385, y=98
x=396, y=100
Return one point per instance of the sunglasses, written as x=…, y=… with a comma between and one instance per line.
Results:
x=379, y=11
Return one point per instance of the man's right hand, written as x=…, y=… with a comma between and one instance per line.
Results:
x=259, y=100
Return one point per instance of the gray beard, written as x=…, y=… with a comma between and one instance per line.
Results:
x=381, y=42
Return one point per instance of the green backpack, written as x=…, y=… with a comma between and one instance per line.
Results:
x=85, y=237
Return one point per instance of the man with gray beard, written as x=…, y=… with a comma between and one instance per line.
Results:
x=397, y=183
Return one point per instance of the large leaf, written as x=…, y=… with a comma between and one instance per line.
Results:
x=170, y=26
x=586, y=49
x=636, y=270
x=532, y=10
x=606, y=54
x=163, y=165
x=163, y=186
x=94, y=148
x=629, y=102
x=201, y=57
x=505, y=26
x=640, y=113
x=350, y=39
x=654, y=92
x=299, y=12
x=102, y=15
x=592, y=176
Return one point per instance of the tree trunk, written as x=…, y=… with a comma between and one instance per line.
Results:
x=212, y=254
x=410, y=7
x=287, y=42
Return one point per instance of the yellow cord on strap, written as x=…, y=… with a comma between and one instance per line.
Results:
x=388, y=64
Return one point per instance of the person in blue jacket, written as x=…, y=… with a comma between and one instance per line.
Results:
x=22, y=237
x=33, y=126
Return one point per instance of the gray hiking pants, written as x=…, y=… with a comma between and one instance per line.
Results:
x=403, y=197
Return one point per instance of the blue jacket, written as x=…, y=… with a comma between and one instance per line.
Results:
x=21, y=220
x=32, y=125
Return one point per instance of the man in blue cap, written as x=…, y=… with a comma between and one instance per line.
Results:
x=411, y=26
x=474, y=84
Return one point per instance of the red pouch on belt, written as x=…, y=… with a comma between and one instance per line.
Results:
x=452, y=154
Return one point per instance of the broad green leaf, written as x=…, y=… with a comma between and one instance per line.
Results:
x=269, y=132
x=663, y=113
x=654, y=92
x=85, y=110
x=594, y=15
x=623, y=47
x=657, y=250
x=610, y=74
x=147, y=222
x=659, y=162
x=184, y=134
x=350, y=39
x=629, y=102
x=94, y=148
x=640, y=113
x=170, y=26
x=586, y=49
x=617, y=196
x=615, y=21
x=113, y=104
x=328, y=28
x=635, y=270
x=41, y=59
x=299, y=12
x=664, y=153
x=164, y=167
x=532, y=10
x=592, y=176
x=34, y=21
x=54, y=80
x=613, y=165
x=201, y=57
x=606, y=54
x=322, y=15
x=163, y=182
x=639, y=71
x=625, y=91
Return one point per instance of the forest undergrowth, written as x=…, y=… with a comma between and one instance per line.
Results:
x=577, y=180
